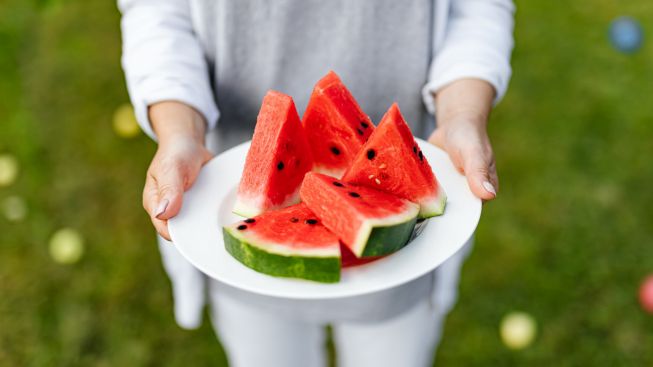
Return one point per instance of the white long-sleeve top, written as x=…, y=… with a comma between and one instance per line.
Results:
x=221, y=56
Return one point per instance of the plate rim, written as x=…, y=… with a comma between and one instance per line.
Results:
x=315, y=296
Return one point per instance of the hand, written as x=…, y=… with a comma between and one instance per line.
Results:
x=177, y=162
x=463, y=108
x=470, y=151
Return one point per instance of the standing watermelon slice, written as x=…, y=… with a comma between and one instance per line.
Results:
x=286, y=243
x=391, y=161
x=369, y=222
x=335, y=126
x=277, y=161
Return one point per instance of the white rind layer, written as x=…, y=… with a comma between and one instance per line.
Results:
x=246, y=209
x=251, y=207
x=329, y=172
x=358, y=247
x=332, y=250
x=434, y=206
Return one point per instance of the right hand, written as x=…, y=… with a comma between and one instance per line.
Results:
x=177, y=162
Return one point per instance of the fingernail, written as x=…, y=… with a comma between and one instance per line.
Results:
x=489, y=188
x=163, y=205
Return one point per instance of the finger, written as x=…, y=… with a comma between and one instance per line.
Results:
x=150, y=203
x=206, y=156
x=150, y=195
x=436, y=139
x=477, y=170
x=170, y=189
x=455, y=156
x=161, y=227
x=494, y=177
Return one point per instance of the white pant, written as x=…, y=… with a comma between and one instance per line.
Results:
x=254, y=338
x=256, y=332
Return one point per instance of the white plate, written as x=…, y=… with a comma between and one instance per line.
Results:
x=197, y=233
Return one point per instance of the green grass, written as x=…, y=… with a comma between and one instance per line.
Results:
x=568, y=240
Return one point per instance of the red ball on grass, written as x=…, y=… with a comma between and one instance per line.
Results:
x=646, y=294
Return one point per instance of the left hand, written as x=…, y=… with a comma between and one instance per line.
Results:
x=463, y=108
x=470, y=150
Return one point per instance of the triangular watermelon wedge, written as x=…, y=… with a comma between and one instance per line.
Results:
x=335, y=125
x=391, y=161
x=369, y=222
x=278, y=159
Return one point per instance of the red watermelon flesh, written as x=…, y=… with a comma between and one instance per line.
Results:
x=290, y=242
x=369, y=222
x=278, y=159
x=335, y=126
x=391, y=161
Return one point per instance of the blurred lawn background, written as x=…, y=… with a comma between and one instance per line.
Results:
x=568, y=241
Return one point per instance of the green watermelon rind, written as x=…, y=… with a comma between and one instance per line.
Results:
x=316, y=268
x=435, y=207
x=384, y=236
x=386, y=240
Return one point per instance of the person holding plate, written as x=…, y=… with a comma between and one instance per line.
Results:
x=196, y=72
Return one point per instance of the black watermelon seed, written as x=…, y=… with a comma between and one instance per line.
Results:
x=241, y=227
x=335, y=150
x=370, y=154
x=280, y=166
x=250, y=220
x=365, y=125
x=336, y=183
x=294, y=220
x=360, y=132
x=421, y=156
x=415, y=149
x=311, y=221
x=354, y=194
x=384, y=176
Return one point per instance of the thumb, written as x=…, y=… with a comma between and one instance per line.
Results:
x=170, y=189
x=481, y=175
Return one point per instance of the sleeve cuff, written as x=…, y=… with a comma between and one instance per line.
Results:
x=466, y=71
x=180, y=93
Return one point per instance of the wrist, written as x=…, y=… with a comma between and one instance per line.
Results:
x=175, y=121
x=465, y=101
x=462, y=118
x=463, y=121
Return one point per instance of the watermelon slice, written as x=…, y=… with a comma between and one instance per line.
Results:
x=335, y=126
x=286, y=243
x=277, y=161
x=391, y=161
x=369, y=222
